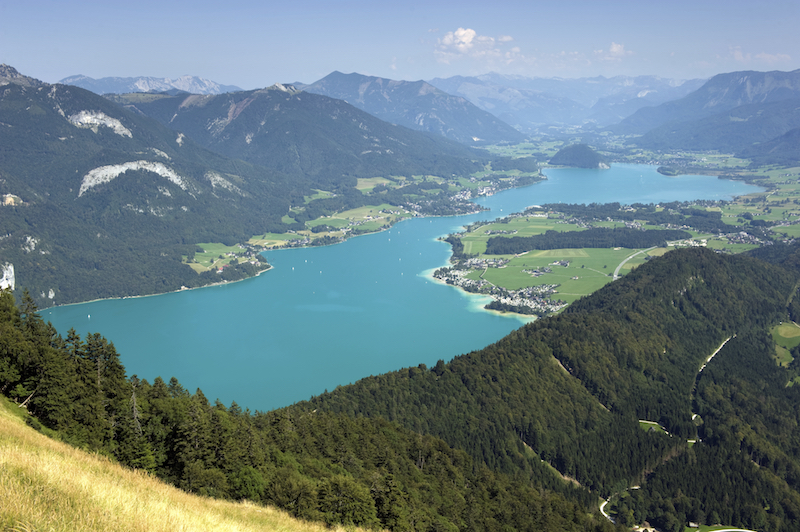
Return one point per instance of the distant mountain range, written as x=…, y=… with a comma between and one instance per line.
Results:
x=721, y=93
x=739, y=112
x=113, y=85
x=417, y=105
x=529, y=103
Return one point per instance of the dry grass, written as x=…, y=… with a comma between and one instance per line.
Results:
x=46, y=485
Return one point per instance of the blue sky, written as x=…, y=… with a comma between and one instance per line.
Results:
x=257, y=43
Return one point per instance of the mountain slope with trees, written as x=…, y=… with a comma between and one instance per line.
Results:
x=734, y=131
x=104, y=201
x=108, y=201
x=490, y=439
x=578, y=156
x=316, y=140
x=570, y=389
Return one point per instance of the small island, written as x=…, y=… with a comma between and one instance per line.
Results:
x=579, y=156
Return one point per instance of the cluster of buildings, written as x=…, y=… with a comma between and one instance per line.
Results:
x=529, y=300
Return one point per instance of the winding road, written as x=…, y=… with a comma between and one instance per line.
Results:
x=621, y=264
x=691, y=397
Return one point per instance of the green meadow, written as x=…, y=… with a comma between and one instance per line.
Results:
x=589, y=269
x=787, y=337
x=214, y=255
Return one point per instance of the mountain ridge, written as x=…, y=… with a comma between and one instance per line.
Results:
x=529, y=103
x=720, y=94
x=119, y=85
x=416, y=105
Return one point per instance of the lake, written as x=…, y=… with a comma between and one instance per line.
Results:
x=323, y=317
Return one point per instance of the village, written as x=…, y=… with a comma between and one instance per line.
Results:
x=534, y=300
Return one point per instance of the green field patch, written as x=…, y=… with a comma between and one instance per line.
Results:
x=288, y=219
x=475, y=240
x=368, y=218
x=333, y=221
x=648, y=425
x=366, y=184
x=716, y=243
x=588, y=270
x=270, y=240
x=213, y=255
x=786, y=337
x=320, y=194
x=787, y=334
x=782, y=356
x=559, y=253
x=658, y=252
x=788, y=231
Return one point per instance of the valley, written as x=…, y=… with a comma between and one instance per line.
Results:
x=637, y=366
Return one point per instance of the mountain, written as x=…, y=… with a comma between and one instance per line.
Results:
x=783, y=150
x=9, y=74
x=578, y=156
x=660, y=390
x=114, y=85
x=733, y=131
x=105, y=202
x=417, y=105
x=529, y=103
x=718, y=95
x=320, y=141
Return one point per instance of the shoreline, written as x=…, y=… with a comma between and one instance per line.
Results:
x=470, y=296
x=181, y=289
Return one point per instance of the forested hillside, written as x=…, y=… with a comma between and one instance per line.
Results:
x=526, y=434
x=596, y=237
x=108, y=201
x=720, y=94
x=570, y=390
x=578, y=156
x=317, y=140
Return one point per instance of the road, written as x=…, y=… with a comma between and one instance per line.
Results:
x=621, y=264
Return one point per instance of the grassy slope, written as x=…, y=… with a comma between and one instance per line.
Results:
x=48, y=485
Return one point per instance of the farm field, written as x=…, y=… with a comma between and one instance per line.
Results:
x=579, y=272
x=214, y=255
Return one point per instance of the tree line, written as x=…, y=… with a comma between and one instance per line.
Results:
x=595, y=237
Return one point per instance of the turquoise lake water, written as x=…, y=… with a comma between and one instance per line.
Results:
x=323, y=317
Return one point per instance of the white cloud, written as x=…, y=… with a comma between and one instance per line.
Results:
x=466, y=43
x=459, y=41
x=774, y=58
x=615, y=52
x=769, y=59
